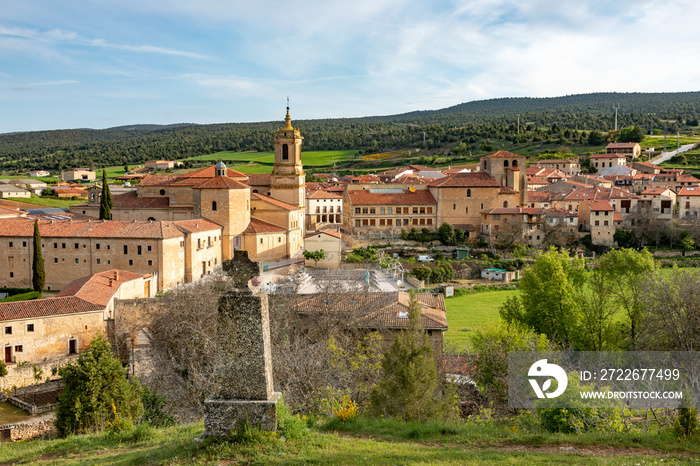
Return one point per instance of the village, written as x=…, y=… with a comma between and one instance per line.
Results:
x=165, y=231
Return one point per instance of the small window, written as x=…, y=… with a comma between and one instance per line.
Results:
x=18, y=349
x=469, y=193
x=63, y=245
x=357, y=210
x=150, y=262
x=12, y=274
x=138, y=249
x=24, y=244
x=126, y=249
x=10, y=243
x=77, y=246
x=149, y=248
x=30, y=327
x=55, y=260
x=77, y=261
x=162, y=192
x=109, y=247
x=213, y=205
x=261, y=241
x=131, y=261
x=97, y=246
x=8, y=330
x=99, y=261
x=55, y=245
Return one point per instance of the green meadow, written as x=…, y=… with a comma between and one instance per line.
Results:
x=309, y=158
x=473, y=311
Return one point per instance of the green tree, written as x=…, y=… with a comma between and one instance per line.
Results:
x=106, y=203
x=3, y=369
x=409, y=389
x=548, y=301
x=626, y=270
x=598, y=332
x=446, y=234
x=38, y=274
x=595, y=138
x=95, y=389
x=315, y=256
x=631, y=134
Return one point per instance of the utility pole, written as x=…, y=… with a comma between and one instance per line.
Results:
x=678, y=143
x=424, y=139
x=651, y=115
x=519, y=123
x=616, y=107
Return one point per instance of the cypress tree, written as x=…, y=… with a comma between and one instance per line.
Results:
x=106, y=203
x=38, y=275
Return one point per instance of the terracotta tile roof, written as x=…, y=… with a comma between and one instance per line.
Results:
x=362, y=179
x=466, y=180
x=556, y=212
x=621, y=145
x=410, y=179
x=555, y=161
x=646, y=164
x=534, y=180
x=189, y=179
x=24, y=227
x=365, y=197
x=687, y=179
x=378, y=310
x=96, y=289
x=46, y=307
x=196, y=225
x=210, y=172
x=131, y=200
x=600, y=205
x=655, y=191
x=158, y=180
x=273, y=201
x=333, y=233
x=259, y=179
x=536, y=171
x=506, y=190
x=321, y=194
x=465, y=226
x=689, y=191
x=220, y=182
x=260, y=226
x=532, y=210
x=502, y=154
x=617, y=217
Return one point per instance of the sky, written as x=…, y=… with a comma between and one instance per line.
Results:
x=105, y=63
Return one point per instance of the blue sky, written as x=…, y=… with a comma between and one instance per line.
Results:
x=104, y=63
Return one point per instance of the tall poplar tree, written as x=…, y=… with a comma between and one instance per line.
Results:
x=38, y=274
x=106, y=203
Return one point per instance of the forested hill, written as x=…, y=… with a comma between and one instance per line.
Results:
x=471, y=121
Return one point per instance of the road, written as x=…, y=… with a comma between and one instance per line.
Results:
x=667, y=155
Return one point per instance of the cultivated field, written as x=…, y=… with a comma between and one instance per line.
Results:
x=474, y=311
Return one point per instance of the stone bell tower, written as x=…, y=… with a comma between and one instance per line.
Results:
x=287, y=182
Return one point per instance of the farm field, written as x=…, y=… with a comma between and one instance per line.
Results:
x=309, y=158
x=473, y=311
x=47, y=201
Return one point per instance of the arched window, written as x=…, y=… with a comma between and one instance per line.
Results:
x=285, y=152
x=213, y=205
x=151, y=219
x=505, y=163
x=505, y=204
x=469, y=193
x=515, y=163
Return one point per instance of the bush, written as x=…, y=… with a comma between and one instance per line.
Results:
x=153, y=408
x=686, y=423
x=3, y=369
x=96, y=392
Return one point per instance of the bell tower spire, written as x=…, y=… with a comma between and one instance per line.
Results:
x=287, y=179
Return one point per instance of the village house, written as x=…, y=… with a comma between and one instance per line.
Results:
x=79, y=174
x=597, y=217
x=36, y=173
x=631, y=149
x=570, y=167
x=660, y=201
x=48, y=332
x=602, y=161
x=323, y=208
x=174, y=252
x=9, y=190
x=689, y=202
x=331, y=242
x=160, y=164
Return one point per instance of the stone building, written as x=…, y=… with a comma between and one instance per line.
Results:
x=323, y=208
x=388, y=208
x=51, y=331
x=174, y=252
x=598, y=217
x=571, y=167
x=331, y=242
x=228, y=197
x=632, y=149
x=79, y=174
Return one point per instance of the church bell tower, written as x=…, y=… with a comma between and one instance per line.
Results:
x=287, y=182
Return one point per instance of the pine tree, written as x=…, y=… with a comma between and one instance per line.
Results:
x=106, y=203
x=38, y=274
x=409, y=389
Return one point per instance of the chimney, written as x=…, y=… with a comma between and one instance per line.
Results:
x=110, y=282
x=116, y=275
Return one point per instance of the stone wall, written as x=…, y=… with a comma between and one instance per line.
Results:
x=26, y=430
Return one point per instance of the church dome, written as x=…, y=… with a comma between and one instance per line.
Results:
x=221, y=164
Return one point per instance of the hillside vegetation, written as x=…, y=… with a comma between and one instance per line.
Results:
x=563, y=120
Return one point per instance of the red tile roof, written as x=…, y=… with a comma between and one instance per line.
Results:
x=600, y=205
x=608, y=156
x=502, y=211
x=689, y=191
x=131, y=200
x=365, y=197
x=259, y=179
x=220, y=182
x=321, y=194
x=46, y=307
x=466, y=180
x=687, y=179
x=273, y=201
x=24, y=227
x=100, y=287
x=260, y=226
x=210, y=172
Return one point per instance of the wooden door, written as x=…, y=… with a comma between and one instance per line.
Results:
x=72, y=346
x=8, y=354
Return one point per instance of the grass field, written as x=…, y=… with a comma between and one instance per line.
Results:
x=474, y=311
x=365, y=442
x=309, y=158
x=10, y=413
x=47, y=201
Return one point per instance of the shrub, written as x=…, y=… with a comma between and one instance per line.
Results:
x=153, y=408
x=686, y=423
x=346, y=409
x=3, y=369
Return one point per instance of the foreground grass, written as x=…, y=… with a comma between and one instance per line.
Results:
x=363, y=441
x=473, y=311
